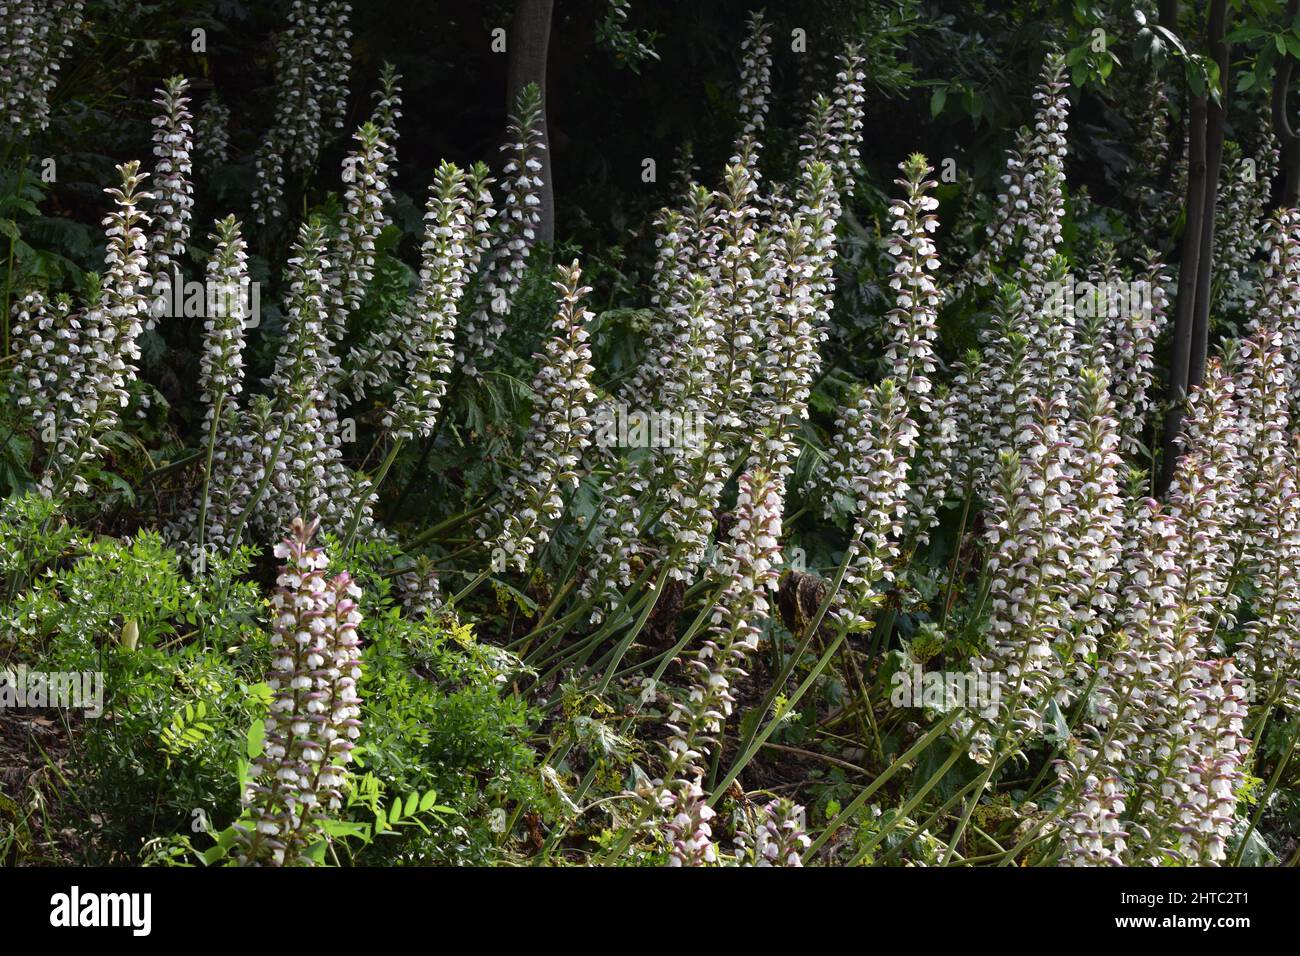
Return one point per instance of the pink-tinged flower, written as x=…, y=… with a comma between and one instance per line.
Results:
x=314, y=720
x=777, y=837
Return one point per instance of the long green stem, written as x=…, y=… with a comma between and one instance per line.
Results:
x=358, y=505
x=860, y=800
x=272, y=460
x=207, y=475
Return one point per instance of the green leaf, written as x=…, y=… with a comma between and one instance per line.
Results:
x=1257, y=851
x=346, y=828
x=1245, y=33
x=937, y=99
x=121, y=484
x=253, y=743
x=213, y=853
x=21, y=203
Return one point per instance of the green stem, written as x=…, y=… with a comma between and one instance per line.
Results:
x=358, y=507
x=857, y=803
x=272, y=460
x=207, y=475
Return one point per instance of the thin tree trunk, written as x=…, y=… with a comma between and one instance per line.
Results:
x=1216, y=120
x=1184, y=311
x=530, y=37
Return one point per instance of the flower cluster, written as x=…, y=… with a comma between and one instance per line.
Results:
x=1244, y=192
x=1270, y=649
x=1003, y=228
x=1263, y=425
x=386, y=113
x=47, y=341
x=936, y=467
x=515, y=232
x=352, y=260
x=1096, y=535
x=35, y=36
x=1027, y=568
x=1203, y=496
x=107, y=352
x=212, y=132
x=877, y=437
x=220, y=499
x=367, y=171
x=309, y=476
x=690, y=835
x=689, y=481
x=1031, y=205
x=790, y=357
x=314, y=721
x=755, y=92
x=616, y=537
x=560, y=428
x=173, y=205
x=748, y=568
x=777, y=837
x=1168, y=730
x=1044, y=178
x=450, y=243
x=912, y=329
x=312, y=64
x=221, y=370
x=1207, y=814
x=1275, y=307
x=1131, y=354
x=419, y=589
x=743, y=288
x=847, y=117
x=740, y=284
x=1003, y=390
x=913, y=322
x=1094, y=834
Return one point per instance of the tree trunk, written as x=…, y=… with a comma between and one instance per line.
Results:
x=1185, y=310
x=530, y=37
x=1216, y=120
